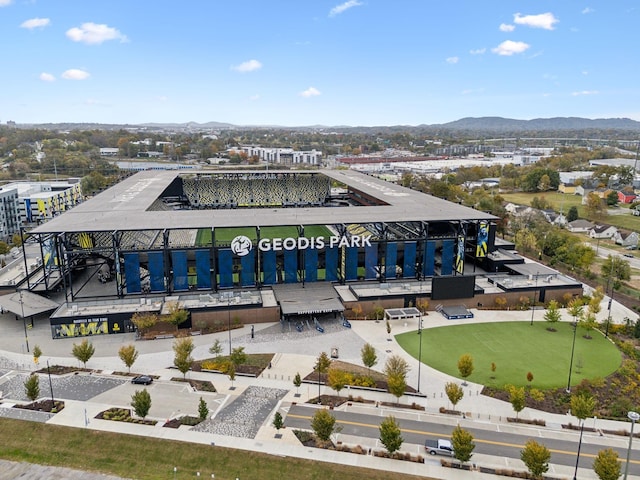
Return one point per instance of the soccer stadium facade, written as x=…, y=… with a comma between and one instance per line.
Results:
x=179, y=236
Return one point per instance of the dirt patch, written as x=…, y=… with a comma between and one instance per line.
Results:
x=43, y=406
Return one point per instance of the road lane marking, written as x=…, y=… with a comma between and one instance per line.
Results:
x=434, y=434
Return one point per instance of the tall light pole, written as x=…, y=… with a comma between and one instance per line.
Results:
x=229, y=320
x=533, y=303
x=575, y=472
x=573, y=346
x=634, y=417
x=419, y=348
x=606, y=331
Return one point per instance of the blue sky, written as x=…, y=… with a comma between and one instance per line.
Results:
x=317, y=62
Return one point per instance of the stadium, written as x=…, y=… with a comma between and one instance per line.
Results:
x=270, y=246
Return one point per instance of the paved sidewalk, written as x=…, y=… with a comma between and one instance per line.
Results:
x=297, y=354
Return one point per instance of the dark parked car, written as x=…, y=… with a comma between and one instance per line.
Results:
x=142, y=380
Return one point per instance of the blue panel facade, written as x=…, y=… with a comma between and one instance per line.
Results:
x=409, y=264
x=179, y=262
x=428, y=263
x=269, y=267
x=248, y=273
x=311, y=265
x=351, y=263
x=203, y=268
x=391, y=260
x=156, y=271
x=371, y=261
x=331, y=264
x=225, y=267
x=290, y=266
x=132, y=272
x=447, y=257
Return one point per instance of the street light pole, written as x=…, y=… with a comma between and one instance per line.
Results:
x=575, y=472
x=533, y=304
x=634, y=417
x=419, y=349
x=606, y=331
x=229, y=319
x=50, y=384
x=573, y=346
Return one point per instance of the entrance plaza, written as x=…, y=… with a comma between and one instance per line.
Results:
x=295, y=352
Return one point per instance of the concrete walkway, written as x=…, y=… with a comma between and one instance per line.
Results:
x=297, y=353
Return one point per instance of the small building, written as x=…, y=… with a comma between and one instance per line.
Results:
x=603, y=231
x=626, y=197
x=580, y=226
x=568, y=188
x=626, y=238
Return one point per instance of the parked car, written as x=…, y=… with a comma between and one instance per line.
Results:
x=439, y=447
x=142, y=380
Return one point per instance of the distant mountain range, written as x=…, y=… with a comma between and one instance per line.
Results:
x=476, y=125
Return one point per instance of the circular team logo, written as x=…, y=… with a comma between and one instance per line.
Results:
x=241, y=245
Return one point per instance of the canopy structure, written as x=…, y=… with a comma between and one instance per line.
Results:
x=25, y=304
x=316, y=298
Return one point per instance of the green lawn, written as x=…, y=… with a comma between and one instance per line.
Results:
x=225, y=235
x=516, y=348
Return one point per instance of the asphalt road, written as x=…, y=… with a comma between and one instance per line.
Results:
x=489, y=440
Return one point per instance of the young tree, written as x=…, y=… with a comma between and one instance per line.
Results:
x=388, y=329
x=182, y=348
x=493, y=370
x=238, y=356
x=368, y=355
x=606, y=465
x=323, y=424
x=336, y=379
x=397, y=385
x=465, y=366
x=572, y=214
x=462, y=443
x=231, y=372
x=396, y=369
x=177, y=316
x=144, y=320
x=141, y=403
x=517, y=398
x=390, y=434
x=552, y=315
x=203, y=410
x=454, y=393
x=37, y=353
x=536, y=457
x=278, y=423
x=128, y=354
x=575, y=309
x=297, y=381
x=216, y=348
x=84, y=351
x=323, y=362
x=32, y=387
x=378, y=312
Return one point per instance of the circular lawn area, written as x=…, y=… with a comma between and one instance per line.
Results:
x=516, y=348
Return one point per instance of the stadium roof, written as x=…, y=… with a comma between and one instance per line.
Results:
x=125, y=207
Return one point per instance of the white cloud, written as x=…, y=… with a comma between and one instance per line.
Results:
x=248, y=66
x=509, y=47
x=453, y=60
x=75, y=74
x=506, y=27
x=584, y=92
x=338, y=9
x=310, y=92
x=5, y=3
x=253, y=98
x=478, y=51
x=35, y=23
x=585, y=72
x=47, y=77
x=587, y=10
x=542, y=20
x=94, y=34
